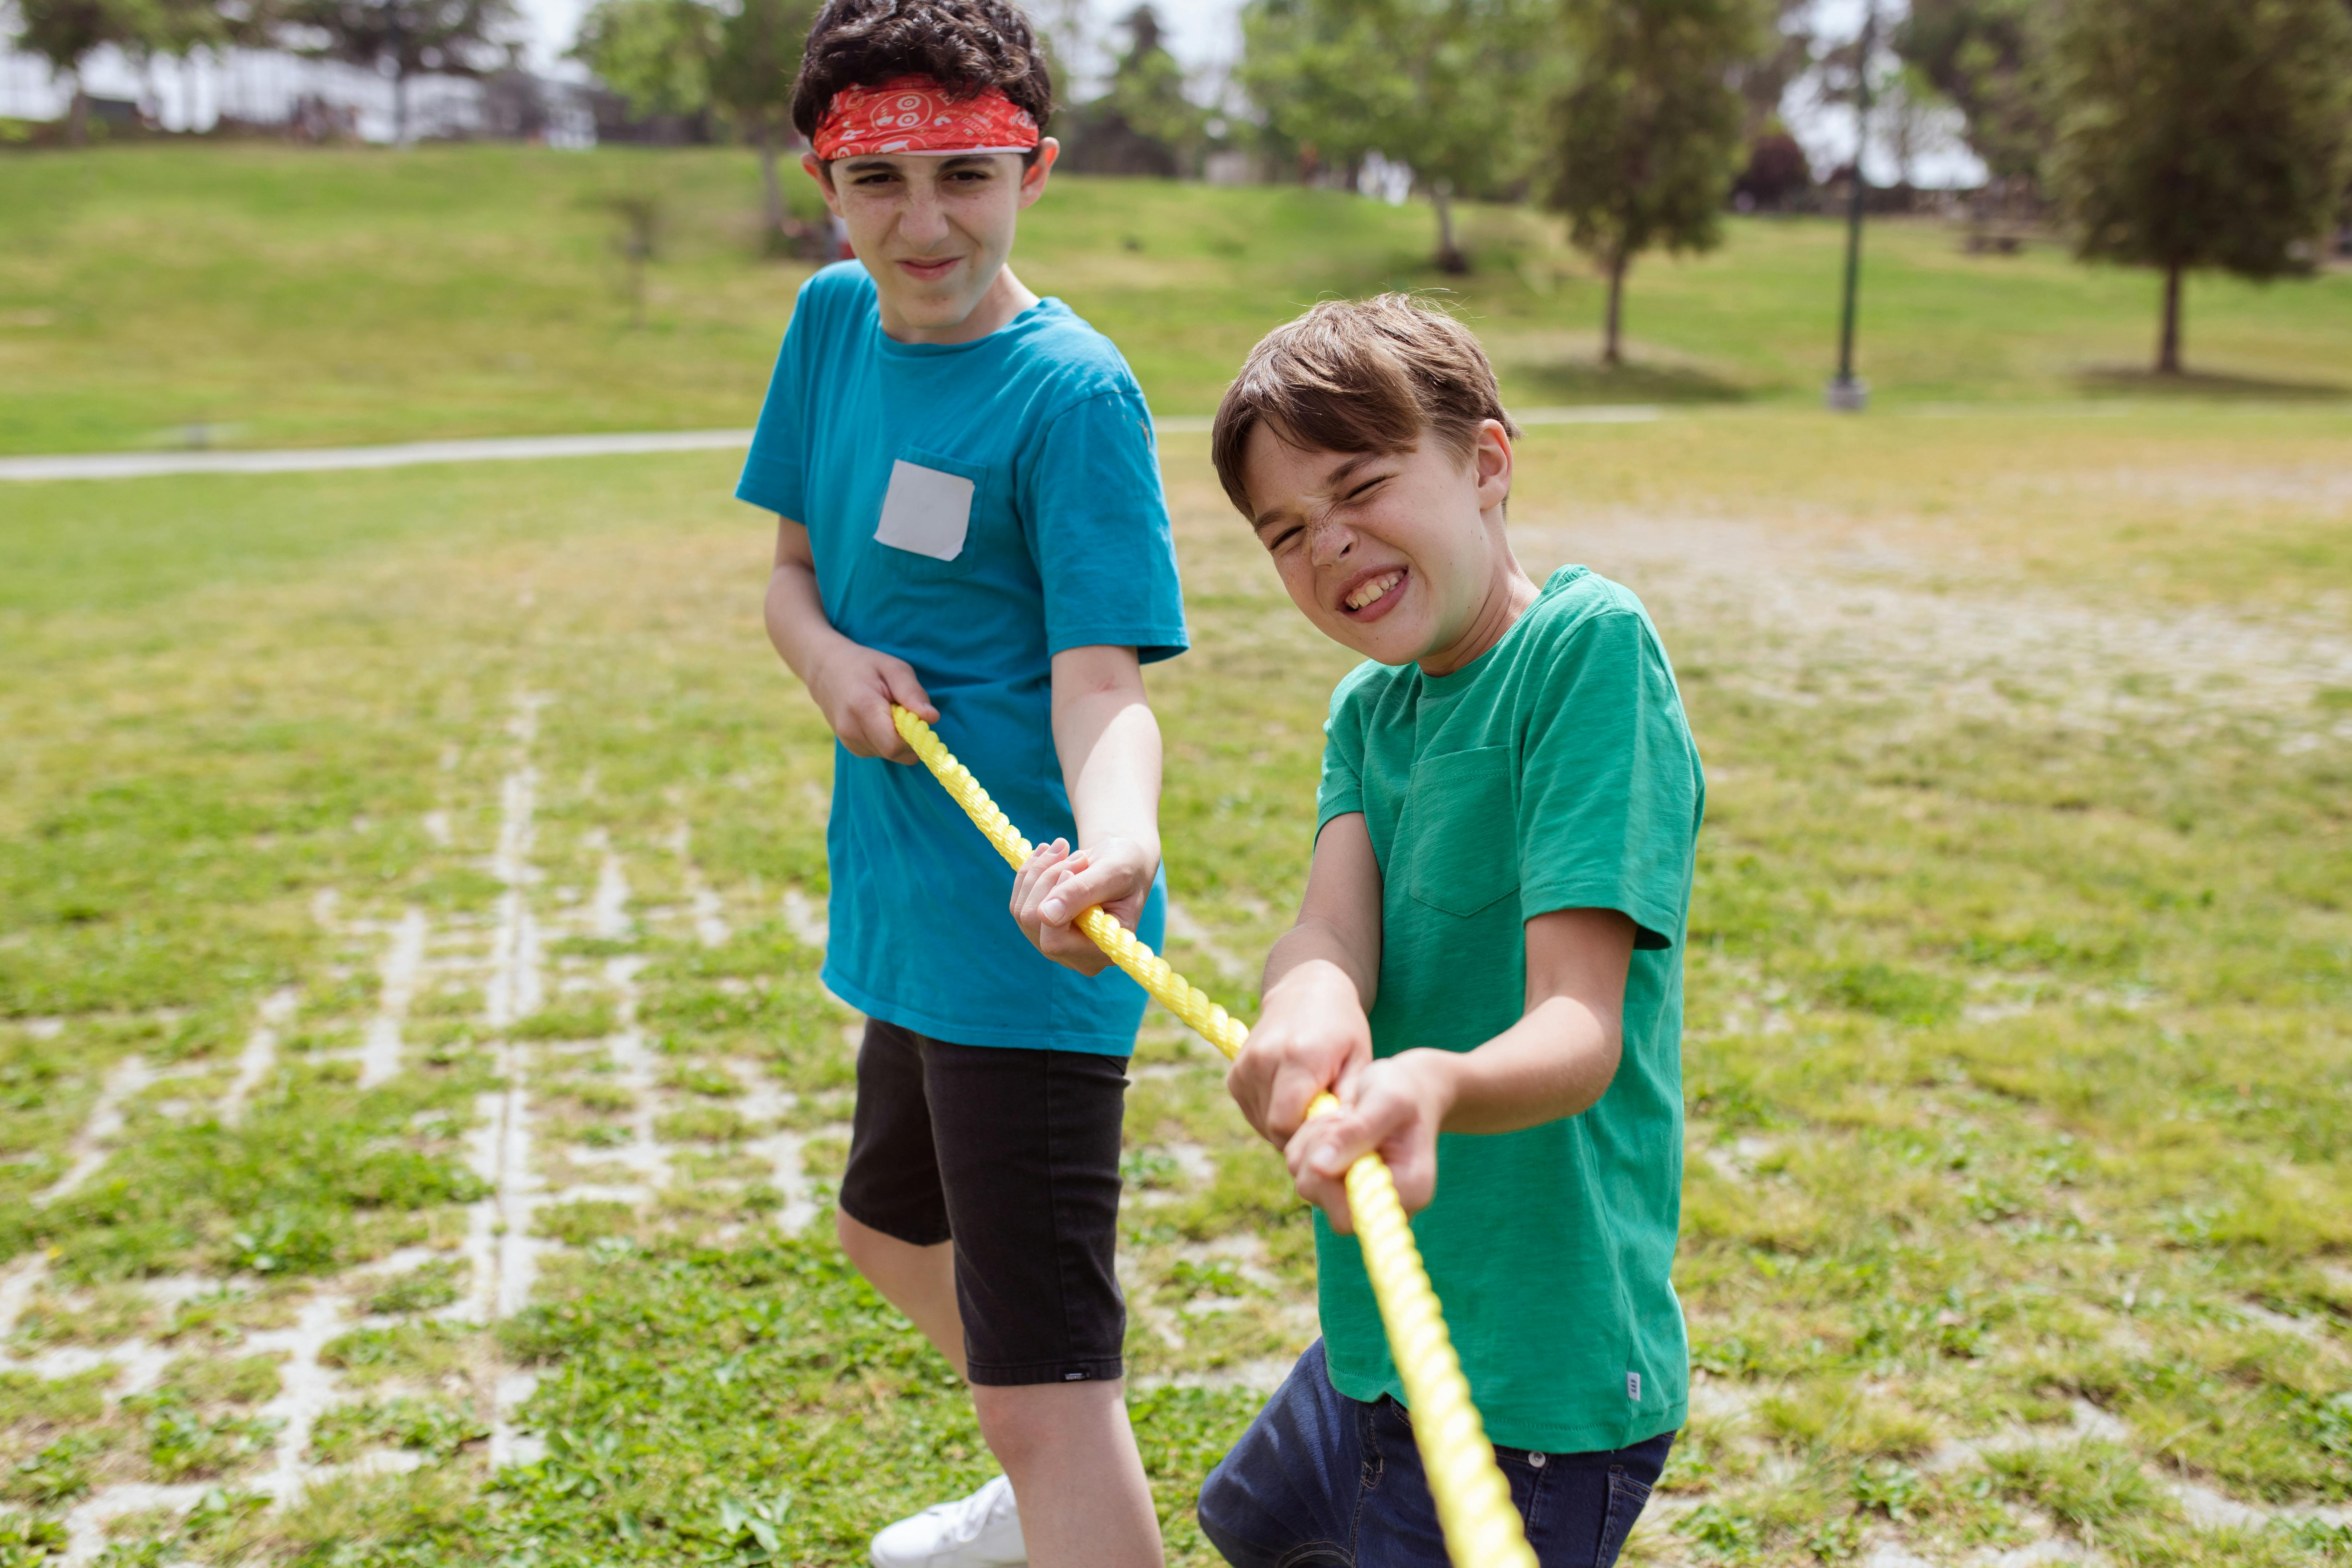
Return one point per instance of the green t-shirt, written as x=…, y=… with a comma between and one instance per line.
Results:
x=1554, y=771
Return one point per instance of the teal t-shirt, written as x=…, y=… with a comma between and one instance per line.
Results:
x=1554, y=771
x=974, y=509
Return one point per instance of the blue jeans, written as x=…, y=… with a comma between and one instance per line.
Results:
x=1320, y=1480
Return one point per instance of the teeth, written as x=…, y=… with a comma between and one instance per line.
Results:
x=1373, y=592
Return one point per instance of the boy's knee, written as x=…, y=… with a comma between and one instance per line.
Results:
x=1022, y=1421
x=867, y=1248
x=1216, y=1509
x=1245, y=1536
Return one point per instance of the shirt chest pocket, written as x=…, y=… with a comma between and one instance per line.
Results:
x=931, y=526
x=1465, y=841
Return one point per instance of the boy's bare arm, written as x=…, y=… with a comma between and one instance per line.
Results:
x=1320, y=979
x=1109, y=745
x=852, y=685
x=1555, y=1062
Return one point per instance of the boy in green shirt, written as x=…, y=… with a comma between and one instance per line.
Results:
x=1487, y=967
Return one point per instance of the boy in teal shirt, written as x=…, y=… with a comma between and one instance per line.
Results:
x=969, y=522
x=1487, y=967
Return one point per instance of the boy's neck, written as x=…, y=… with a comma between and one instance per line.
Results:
x=1509, y=595
x=1005, y=297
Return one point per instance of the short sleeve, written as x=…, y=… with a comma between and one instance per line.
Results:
x=1609, y=791
x=772, y=473
x=1341, y=790
x=1098, y=525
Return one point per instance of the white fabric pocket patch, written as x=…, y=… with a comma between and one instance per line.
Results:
x=926, y=511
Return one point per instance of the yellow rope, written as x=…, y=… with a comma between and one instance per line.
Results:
x=1473, y=1500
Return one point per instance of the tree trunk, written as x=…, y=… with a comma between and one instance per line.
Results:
x=1449, y=259
x=2168, y=351
x=400, y=106
x=78, y=117
x=771, y=194
x=1609, y=353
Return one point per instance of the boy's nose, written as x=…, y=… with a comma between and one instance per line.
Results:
x=924, y=222
x=1329, y=541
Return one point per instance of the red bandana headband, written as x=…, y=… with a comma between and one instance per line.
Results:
x=916, y=114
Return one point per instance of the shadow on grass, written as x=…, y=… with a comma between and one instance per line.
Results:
x=1585, y=381
x=2119, y=381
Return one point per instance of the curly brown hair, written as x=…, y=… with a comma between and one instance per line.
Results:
x=966, y=46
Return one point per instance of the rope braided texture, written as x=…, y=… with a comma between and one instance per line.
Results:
x=1473, y=1500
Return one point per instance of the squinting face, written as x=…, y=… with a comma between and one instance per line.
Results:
x=1397, y=555
x=933, y=230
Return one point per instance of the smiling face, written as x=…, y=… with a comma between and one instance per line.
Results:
x=935, y=230
x=1399, y=555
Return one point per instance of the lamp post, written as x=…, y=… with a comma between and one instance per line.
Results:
x=1847, y=394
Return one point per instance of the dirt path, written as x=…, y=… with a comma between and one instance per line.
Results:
x=1819, y=619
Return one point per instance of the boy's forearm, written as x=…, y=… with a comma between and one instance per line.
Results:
x=1340, y=921
x=795, y=612
x=1109, y=745
x=1317, y=942
x=1557, y=1061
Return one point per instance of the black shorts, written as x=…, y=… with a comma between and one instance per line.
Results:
x=1012, y=1155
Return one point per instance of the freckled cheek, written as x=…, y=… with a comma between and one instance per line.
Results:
x=1298, y=581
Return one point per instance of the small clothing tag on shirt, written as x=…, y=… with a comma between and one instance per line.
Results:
x=1633, y=1386
x=926, y=511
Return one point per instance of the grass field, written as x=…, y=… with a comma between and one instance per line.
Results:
x=418, y=1111
x=254, y=296
x=417, y=1096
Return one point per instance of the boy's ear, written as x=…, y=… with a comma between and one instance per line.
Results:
x=1033, y=175
x=822, y=173
x=1491, y=461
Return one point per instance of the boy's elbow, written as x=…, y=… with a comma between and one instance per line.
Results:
x=1081, y=674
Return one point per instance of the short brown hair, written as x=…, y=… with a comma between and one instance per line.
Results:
x=1359, y=375
x=966, y=46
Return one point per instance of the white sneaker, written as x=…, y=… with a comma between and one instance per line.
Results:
x=983, y=1530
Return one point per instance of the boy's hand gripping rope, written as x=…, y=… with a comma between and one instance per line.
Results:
x=1473, y=1500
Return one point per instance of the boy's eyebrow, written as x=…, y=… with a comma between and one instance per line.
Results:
x=1338, y=475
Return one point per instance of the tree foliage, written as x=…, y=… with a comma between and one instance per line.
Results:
x=1647, y=137
x=1451, y=86
x=2192, y=135
x=656, y=54
x=685, y=57
x=1784, y=53
x=407, y=37
x=758, y=54
x=1984, y=56
x=1144, y=122
x=64, y=33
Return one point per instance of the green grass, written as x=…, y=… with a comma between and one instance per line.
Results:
x=256, y=296
x=2017, y=991
x=2018, y=1166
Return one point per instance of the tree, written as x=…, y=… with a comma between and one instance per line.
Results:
x=65, y=33
x=1448, y=85
x=658, y=53
x=1912, y=117
x=2192, y=135
x=751, y=79
x=1144, y=123
x=406, y=37
x=1985, y=57
x=1647, y=136
x=1786, y=54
